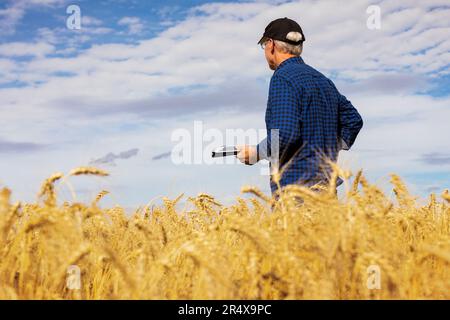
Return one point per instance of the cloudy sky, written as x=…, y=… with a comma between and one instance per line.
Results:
x=112, y=93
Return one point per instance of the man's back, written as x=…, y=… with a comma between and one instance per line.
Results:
x=312, y=117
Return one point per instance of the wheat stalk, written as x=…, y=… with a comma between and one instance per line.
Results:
x=99, y=196
x=255, y=191
x=88, y=171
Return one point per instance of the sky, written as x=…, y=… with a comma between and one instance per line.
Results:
x=112, y=93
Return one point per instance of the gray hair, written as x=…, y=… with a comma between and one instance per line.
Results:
x=285, y=47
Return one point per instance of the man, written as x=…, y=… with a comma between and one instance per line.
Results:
x=311, y=120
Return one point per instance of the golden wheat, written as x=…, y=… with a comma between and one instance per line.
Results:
x=256, y=248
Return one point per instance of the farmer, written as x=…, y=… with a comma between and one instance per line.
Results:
x=307, y=119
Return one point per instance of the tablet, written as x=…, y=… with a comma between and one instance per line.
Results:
x=224, y=152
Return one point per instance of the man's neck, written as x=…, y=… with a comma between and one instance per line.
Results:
x=284, y=57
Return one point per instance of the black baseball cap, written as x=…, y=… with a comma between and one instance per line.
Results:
x=279, y=28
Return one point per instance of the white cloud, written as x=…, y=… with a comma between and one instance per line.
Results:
x=93, y=26
x=90, y=21
x=134, y=24
x=6, y=65
x=209, y=44
x=16, y=9
x=21, y=49
x=9, y=18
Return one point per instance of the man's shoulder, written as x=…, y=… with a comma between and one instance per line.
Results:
x=297, y=71
x=302, y=74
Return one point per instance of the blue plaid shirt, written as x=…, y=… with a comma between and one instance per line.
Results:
x=313, y=120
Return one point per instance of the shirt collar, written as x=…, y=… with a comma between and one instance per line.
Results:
x=290, y=60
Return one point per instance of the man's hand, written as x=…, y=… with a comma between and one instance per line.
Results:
x=247, y=154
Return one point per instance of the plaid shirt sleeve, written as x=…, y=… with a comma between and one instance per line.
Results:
x=283, y=114
x=350, y=121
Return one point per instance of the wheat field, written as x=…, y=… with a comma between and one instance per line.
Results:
x=257, y=248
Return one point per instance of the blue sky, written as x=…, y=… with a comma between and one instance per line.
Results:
x=155, y=15
x=113, y=92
